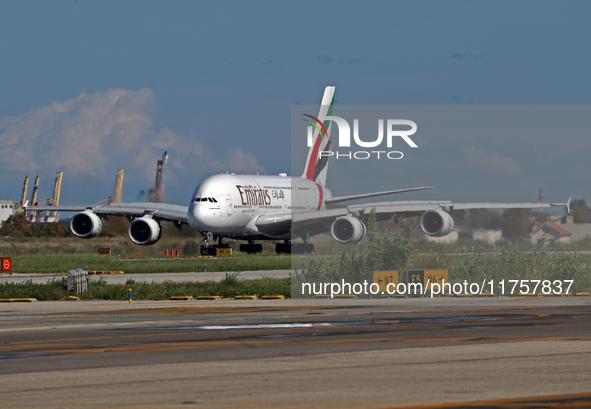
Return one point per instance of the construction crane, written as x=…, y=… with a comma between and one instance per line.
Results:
x=19, y=207
x=34, y=216
x=118, y=187
x=52, y=201
x=35, y=189
x=116, y=198
x=156, y=193
x=57, y=190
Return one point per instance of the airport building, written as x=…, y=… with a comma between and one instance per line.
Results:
x=6, y=209
x=555, y=232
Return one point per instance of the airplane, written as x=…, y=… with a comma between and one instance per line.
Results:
x=275, y=207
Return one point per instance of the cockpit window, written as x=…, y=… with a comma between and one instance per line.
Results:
x=205, y=199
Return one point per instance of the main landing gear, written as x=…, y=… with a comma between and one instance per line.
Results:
x=251, y=247
x=296, y=248
x=283, y=248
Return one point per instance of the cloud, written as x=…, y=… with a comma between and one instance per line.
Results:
x=238, y=161
x=328, y=59
x=83, y=134
x=91, y=136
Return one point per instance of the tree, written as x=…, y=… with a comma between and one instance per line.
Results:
x=580, y=211
x=18, y=225
x=518, y=223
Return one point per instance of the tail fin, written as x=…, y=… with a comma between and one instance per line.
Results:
x=318, y=140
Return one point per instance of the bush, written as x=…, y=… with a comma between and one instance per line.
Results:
x=382, y=252
x=18, y=225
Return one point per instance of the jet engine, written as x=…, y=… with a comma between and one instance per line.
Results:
x=437, y=223
x=144, y=231
x=348, y=230
x=86, y=225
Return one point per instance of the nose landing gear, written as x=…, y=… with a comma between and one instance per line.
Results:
x=212, y=250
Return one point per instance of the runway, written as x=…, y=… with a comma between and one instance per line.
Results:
x=428, y=353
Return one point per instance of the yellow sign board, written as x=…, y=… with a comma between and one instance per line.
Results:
x=435, y=276
x=224, y=251
x=427, y=277
x=383, y=278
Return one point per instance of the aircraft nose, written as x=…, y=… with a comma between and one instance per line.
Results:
x=196, y=217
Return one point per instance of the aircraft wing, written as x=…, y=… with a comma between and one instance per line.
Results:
x=419, y=206
x=319, y=221
x=159, y=211
x=316, y=222
x=332, y=200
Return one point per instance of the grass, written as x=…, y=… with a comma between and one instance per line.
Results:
x=58, y=255
x=98, y=289
x=401, y=251
x=61, y=263
x=394, y=250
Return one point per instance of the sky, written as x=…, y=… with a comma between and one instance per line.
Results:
x=88, y=88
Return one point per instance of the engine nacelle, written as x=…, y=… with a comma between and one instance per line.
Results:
x=86, y=225
x=144, y=231
x=348, y=230
x=437, y=223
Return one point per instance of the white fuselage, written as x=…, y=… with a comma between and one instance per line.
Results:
x=228, y=205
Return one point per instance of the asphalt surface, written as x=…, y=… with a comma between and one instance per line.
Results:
x=428, y=353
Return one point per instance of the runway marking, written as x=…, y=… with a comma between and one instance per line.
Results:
x=276, y=326
x=242, y=327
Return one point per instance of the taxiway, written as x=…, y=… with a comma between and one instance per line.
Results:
x=316, y=353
